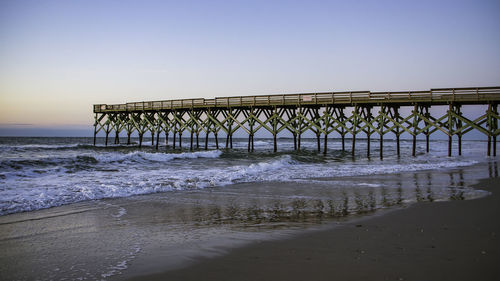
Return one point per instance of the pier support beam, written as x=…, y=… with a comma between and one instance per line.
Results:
x=157, y=139
x=354, y=129
x=427, y=131
x=381, y=127
x=275, y=144
x=449, y=145
x=458, y=123
x=180, y=139
x=294, y=141
x=107, y=134
x=494, y=126
x=450, y=128
x=367, y=115
x=414, y=135
x=343, y=140
x=318, y=142
x=174, y=139
x=325, y=146
x=249, y=140
x=206, y=140
x=191, y=140
x=397, y=118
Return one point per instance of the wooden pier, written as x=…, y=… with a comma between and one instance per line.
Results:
x=373, y=113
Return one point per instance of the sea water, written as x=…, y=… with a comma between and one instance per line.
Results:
x=37, y=173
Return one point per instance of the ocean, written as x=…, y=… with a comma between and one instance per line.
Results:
x=131, y=204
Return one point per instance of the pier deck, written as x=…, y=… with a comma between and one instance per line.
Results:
x=322, y=113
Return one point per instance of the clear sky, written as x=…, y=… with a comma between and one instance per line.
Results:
x=57, y=58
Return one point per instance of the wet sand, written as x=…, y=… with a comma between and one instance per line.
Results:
x=453, y=240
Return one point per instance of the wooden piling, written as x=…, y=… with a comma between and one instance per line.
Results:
x=325, y=144
x=458, y=125
x=295, y=141
x=206, y=140
x=427, y=134
x=414, y=146
x=249, y=140
x=494, y=128
x=397, y=133
x=381, y=131
x=275, y=143
x=494, y=145
x=191, y=140
x=318, y=141
x=253, y=148
x=427, y=143
x=157, y=139
x=353, y=143
x=450, y=129
x=343, y=141
x=354, y=129
x=298, y=142
x=489, y=124
x=414, y=135
x=489, y=145
x=449, y=145
x=460, y=145
x=368, y=136
x=381, y=145
x=174, y=139
x=398, y=151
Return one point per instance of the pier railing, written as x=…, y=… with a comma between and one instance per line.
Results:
x=434, y=96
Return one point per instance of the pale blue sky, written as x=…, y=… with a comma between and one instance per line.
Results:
x=57, y=58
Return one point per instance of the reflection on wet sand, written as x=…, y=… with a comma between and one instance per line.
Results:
x=316, y=203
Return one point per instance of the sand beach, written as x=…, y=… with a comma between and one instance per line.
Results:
x=453, y=240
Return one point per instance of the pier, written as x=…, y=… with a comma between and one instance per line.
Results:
x=346, y=113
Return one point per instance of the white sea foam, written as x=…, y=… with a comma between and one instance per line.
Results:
x=121, y=265
x=34, y=146
x=159, y=157
x=60, y=177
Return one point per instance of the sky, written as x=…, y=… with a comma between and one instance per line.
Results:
x=57, y=58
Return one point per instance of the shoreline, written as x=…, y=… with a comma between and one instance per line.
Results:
x=450, y=240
